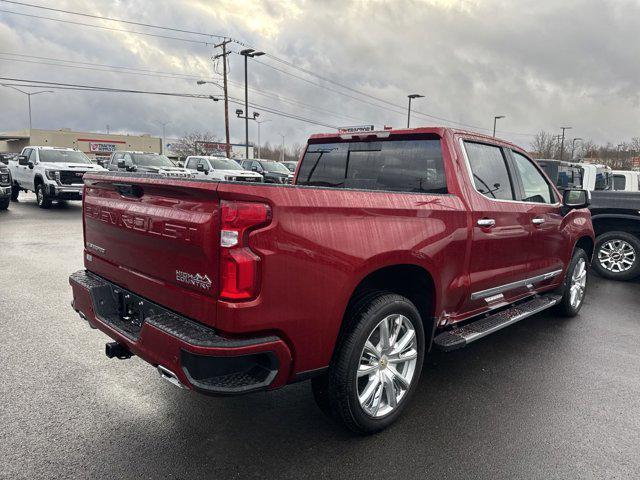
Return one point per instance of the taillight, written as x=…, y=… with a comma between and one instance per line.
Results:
x=239, y=265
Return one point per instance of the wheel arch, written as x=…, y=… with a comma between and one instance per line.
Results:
x=587, y=244
x=412, y=281
x=616, y=222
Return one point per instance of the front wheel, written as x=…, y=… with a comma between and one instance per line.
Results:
x=15, y=191
x=41, y=196
x=376, y=366
x=4, y=203
x=575, y=284
x=617, y=256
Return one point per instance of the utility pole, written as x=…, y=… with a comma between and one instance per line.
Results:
x=495, y=119
x=562, y=142
x=223, y=55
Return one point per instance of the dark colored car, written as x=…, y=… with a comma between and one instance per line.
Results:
x=144, y=162
x=272, y=171
x=387, y=244
x=291, y=166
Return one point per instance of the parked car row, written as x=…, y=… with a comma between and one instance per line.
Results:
x=55, y=174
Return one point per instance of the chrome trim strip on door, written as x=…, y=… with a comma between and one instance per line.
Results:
x=510, y=286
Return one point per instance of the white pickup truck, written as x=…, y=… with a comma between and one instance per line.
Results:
x=52, y=173
x=626, y=180
x=220, y=168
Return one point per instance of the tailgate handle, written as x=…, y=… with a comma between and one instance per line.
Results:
x=128, y=190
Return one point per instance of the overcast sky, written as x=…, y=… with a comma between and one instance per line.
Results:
x=543, y=64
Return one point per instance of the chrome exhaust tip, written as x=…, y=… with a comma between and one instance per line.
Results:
x=170, y=377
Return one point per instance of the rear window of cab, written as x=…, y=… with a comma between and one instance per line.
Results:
x=402, y=165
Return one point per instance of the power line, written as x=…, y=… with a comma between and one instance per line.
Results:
x=113, y=29
x=156, y=75
x=151, y=73
x=96, y=88
x=99, y=17
x=197, y=77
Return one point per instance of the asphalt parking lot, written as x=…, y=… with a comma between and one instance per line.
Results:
x=545, y=398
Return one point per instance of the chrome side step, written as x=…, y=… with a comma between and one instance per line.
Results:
x=462, y=336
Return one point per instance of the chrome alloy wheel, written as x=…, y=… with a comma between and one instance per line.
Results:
x=616, y=256
x=387, y=365
x=578, y=283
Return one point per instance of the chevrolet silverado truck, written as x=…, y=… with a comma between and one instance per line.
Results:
x=5, y=187
x=386, y=245
x=51, y=173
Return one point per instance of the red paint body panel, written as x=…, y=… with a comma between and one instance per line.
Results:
x=318, y=247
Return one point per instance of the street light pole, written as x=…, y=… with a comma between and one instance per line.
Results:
x=260, y=144
x=164, y=124
x=411, y=97
x=282, y=151
x=28, y=94
x=573, y=146
x=246, y=53
x=562, y=142
x=495, y=120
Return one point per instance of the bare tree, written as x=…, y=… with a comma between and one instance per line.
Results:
x=544, y=145
x=186, y=145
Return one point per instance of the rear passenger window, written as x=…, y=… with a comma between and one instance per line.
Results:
x=535, y=186
x=619, y=182
x=391, y=165
x=489, y=169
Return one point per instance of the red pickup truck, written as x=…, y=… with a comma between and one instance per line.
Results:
x=386, y=245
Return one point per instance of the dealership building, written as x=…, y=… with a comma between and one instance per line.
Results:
x=95, y=145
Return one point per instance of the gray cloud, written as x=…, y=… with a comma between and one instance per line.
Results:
x=543, y=64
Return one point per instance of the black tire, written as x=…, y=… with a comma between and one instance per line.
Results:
x=337, y=391
x=15, y=191
x=566, y=307
x=41, y=196
x=605, y=268
x=4, y=203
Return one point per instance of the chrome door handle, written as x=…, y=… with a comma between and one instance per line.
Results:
x=537, y=221
x=486, y=222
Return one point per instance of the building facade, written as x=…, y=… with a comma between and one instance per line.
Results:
x=95, y=145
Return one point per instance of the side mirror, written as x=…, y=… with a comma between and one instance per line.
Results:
x=22, y=160
x=574, y=198
x=30, y=165
x=121, y=164
x=200, y=168
x=254, y=169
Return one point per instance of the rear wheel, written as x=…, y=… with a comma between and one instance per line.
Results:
x=41, y=196
x=575, y=284
x=376, y=366
x=617, y=256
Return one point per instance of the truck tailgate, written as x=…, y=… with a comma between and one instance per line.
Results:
x=157, y=237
